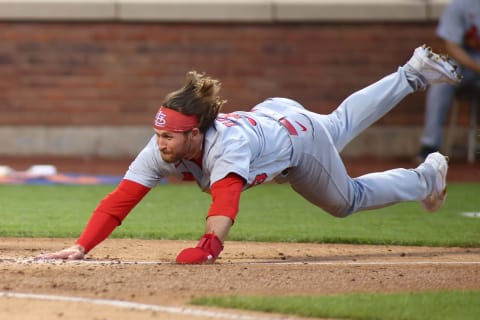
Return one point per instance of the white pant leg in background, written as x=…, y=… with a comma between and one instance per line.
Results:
x=437, y=103
x=321, y=176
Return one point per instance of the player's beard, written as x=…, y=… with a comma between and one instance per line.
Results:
x=172, y=156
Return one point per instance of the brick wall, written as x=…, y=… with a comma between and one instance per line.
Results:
x=118, y=73
x=86, y=78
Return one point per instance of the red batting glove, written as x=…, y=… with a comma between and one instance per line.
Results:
x=206, y=251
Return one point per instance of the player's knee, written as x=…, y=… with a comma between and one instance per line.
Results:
x=342, y=214
x=339, y=212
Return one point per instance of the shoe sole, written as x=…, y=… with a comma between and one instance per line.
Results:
x=435, y=201
x=441, y=64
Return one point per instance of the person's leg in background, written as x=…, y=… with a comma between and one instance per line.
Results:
x=438, y=101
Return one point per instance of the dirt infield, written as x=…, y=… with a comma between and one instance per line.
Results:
x=134, y=279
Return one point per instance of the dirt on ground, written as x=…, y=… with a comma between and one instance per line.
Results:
x=143, y=272
x=137, y=279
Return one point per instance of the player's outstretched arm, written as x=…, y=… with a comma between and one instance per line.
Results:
x=107, y=216
x=75, y=252
x=223, y=211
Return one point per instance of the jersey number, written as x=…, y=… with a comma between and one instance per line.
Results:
x=227, y=119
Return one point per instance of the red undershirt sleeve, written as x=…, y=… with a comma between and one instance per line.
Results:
x=226, y=196
x=110, y=213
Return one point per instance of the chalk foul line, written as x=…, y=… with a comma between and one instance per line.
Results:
x=6, y=260
x=185, y=311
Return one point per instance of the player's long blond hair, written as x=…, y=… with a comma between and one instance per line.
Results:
x=199, y=96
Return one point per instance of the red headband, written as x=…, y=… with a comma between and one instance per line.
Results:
x=174, y=121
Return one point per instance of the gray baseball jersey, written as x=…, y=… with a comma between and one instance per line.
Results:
x=460, y=23
x=254, y=146
x=281, y=140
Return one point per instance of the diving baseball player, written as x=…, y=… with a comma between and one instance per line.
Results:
x=277, y=140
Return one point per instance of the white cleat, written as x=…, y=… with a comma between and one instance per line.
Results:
x=434, y=67
x=435, y=200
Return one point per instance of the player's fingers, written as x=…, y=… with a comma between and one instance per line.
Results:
x=73, y=253
x=45, y=256
x=63, y=254
x=53, y=255
x=76, y=256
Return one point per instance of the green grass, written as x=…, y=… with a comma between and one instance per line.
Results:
x=267, y=213
x=456, y=305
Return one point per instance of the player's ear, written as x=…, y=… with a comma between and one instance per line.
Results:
x=195, y=132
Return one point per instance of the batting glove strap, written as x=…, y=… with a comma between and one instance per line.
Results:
x=206, y=251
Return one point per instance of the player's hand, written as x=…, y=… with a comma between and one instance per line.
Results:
x=75, y=252
x=206, y=251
